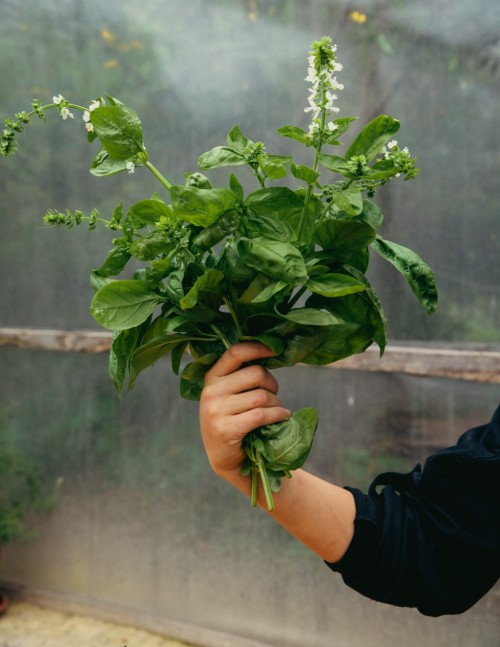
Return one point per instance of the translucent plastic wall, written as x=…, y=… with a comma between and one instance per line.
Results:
x=142, y=527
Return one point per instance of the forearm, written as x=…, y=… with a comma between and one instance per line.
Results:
x=319, y=514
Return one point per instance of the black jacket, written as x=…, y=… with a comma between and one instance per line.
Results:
x=431, y=538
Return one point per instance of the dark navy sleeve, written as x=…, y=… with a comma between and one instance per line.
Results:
x=430, y=539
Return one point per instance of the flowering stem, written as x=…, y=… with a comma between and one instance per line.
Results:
x=315, y=165
x=158, y=175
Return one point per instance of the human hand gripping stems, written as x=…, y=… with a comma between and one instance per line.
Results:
x=281, y=266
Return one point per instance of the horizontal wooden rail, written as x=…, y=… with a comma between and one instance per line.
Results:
x=480, y=363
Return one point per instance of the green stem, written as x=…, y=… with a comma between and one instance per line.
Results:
x=255, y=486
x=220, y=334
x=265, y=482
x=232, y=311
x=158, y=175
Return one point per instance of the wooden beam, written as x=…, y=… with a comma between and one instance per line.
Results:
x=74, y=341
x=479, y=363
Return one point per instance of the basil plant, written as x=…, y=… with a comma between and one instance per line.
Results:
x=283, y=265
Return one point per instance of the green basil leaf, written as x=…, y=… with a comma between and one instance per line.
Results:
x=273, y=166
x=294, y=132
x=417, y=273
x=287, y=444
x=201, y=207
x=279, y=260
x=304, y=173
x=349, y=200
x=103, y=165
x=343, y=124
x=270, y=227
x=148, y=354
x=371, y=214
x=122, y=348
x=198, y=180
x=193, y=376
x=312, y=317
x=335, y=164
x=280, y=201
x=220, y=156
x=363, y=322
x=300, y=342
x=373, y=137
x=237, y=141
x=342, y=237
x=119, y=131
x=124, y=304
x=334, y=285
x=236, y=187
x=382, y=170
x=270, y=291
x=177, y=356
x=276, y=344
x=340, y=342
x=208, y=282
x=148, y=212
x=114, y=263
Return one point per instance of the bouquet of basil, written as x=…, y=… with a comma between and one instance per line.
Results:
x=284, y=266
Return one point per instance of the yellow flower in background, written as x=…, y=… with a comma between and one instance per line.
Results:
x=358, y=16
x=107, y=35
x=110, y=64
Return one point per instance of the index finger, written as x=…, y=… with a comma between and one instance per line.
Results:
x=238, y=355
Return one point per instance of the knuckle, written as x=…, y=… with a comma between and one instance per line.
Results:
x=259, y=398
x=258, y=373
x=259, y=416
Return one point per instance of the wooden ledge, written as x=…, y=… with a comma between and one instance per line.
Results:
x=478, y=362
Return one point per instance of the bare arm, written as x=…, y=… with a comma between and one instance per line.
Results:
x=238, y=398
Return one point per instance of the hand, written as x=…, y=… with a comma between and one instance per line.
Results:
x=235, y=400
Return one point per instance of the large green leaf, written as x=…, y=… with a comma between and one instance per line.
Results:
x=148, y=212
x=149, y=353
x=124, y=304
x=119, y=131
x=300, y=341
x=342, y=237
x=417, y=273
x=220, y=156
x=340, y=342
x=334, y=285
x=373, y=137
x=201, y=206
x=116, y=260
x=278, y=201
x=287, y=444
x=279, y=260
x=268, y=227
